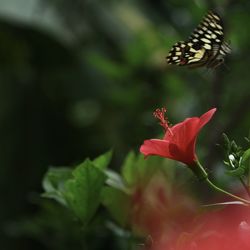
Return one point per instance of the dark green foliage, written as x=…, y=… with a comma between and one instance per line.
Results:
x=80, y=77
x=83, y=191
x=118, y=204
x=78, y=189
x=102, y=161
x=237, y=159
x=54, y=183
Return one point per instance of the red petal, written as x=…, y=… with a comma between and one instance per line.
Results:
x=205, y=118
x=156, y=147
x=166, y=149
x=184, y=133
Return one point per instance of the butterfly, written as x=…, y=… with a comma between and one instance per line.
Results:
x=205, y=46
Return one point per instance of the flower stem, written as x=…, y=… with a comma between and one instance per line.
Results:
x=227, y=193
x=211, y=184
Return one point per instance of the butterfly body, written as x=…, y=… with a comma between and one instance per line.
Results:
x=204, y=47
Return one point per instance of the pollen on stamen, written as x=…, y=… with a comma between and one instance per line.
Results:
x=160, y=114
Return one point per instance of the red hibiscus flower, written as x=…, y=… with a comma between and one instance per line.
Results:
x=179, y=140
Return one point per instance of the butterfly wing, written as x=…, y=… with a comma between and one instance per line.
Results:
x=209, y=35
x=186, y=53
x=204, y=46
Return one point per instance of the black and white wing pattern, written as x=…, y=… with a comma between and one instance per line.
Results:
x=204, y=47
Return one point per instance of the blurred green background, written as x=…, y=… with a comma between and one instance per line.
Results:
x=80, y=77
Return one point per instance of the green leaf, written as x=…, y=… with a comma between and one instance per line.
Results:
x=148, y=167
x=246, y=158
x=83, y=192
x=226, y=142
x=138, y=169
x=238, y=172
x=244, y=165
x=103, y=160
x=118, y=204
x=128, y=168
x=54, y=183
x=115, y=180
x=234, y=147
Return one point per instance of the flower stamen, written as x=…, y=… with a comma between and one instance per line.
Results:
x=160, y=114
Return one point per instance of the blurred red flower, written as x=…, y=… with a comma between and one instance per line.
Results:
x=172, y=220
x=179, y=141
x=160, y=209
x=227, y=229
